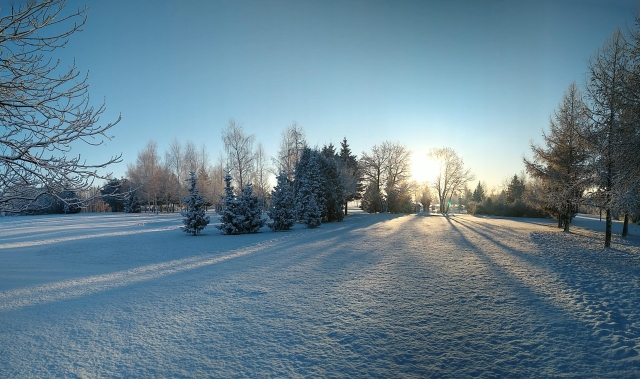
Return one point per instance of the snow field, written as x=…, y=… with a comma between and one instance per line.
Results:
x=375, y=296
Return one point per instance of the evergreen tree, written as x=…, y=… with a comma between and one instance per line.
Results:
x=312, y=216
x=131, y=203
x=350, y=173
x=478, y=193
x=333, y=188
x=194, y=216
x=282, y=212
x=515, y=189
x=308, y=185
x=251, y=211
x=230, y=220
x=112, y=194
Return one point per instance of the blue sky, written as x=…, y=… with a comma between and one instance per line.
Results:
x=481, y=77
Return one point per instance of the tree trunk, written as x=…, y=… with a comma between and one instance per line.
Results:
x=560, y=222
x=607, y=233
x=625, y=227
x=566, y=224
x=346, y=203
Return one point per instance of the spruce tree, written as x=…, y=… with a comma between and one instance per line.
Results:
x=251, y=211
x=131, y=203
x=312, y=216
x=308, y=185
x=282, y=212
x=194, y=216
x=229, y=218
x=350, y=174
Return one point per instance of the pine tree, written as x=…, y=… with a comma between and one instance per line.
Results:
x=282, y=212
x=230, y=220
x=194, y=216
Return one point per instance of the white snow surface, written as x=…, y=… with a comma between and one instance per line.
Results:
x=375, y=296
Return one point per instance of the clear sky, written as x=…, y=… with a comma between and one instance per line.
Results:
x=481, y=77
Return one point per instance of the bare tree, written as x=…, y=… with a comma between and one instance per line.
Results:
x=240, y=154
x=215, y=191
x=174, y=160
x=384, y=169
x=191, y=159
x=452, y=175
x=44, y=109
x=261, y=174
x=291, y=146
x=147, y=173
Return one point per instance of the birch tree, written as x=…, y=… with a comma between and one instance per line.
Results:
x=44, y=108
x=240, y=154
x=452, y=175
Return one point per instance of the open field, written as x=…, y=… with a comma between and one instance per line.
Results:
x=126, y=296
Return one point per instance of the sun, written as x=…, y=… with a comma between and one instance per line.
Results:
x=423, y=168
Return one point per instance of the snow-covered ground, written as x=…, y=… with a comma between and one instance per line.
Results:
x=385, y=296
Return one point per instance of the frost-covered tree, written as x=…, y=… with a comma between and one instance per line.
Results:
x=240, y=153
x=515, y=189
x=251, y=211
x=561, y=166
x=312, y=214
x=282, y=211
x=292, y=145
x=452, y=175
x=333, y=186
x=350, y=174
x=240, y=215
x=230, y=219
x=478, y=193
x=44, y=108
x=194, y=216
x=607, y=96
x=384, y=169
x=131, y=203
x=308, y=186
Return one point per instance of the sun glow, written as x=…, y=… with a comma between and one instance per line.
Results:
x=423, y=168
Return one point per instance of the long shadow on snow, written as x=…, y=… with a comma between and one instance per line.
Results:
x=535, y=301
x=108, y=271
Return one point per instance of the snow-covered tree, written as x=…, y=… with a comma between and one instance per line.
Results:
x=44, y=107
x=308, y=187
x=282, y=212
x=251, y=211
x=131, y=203
x=240, y=215
x=194, y=216
x=607, y=96
x=562, y=165
x=452, y=175
x=350, y=174
x=312, y=215
x=333, y=186
x=229, y=217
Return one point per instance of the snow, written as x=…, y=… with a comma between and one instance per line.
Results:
x=130, y=296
